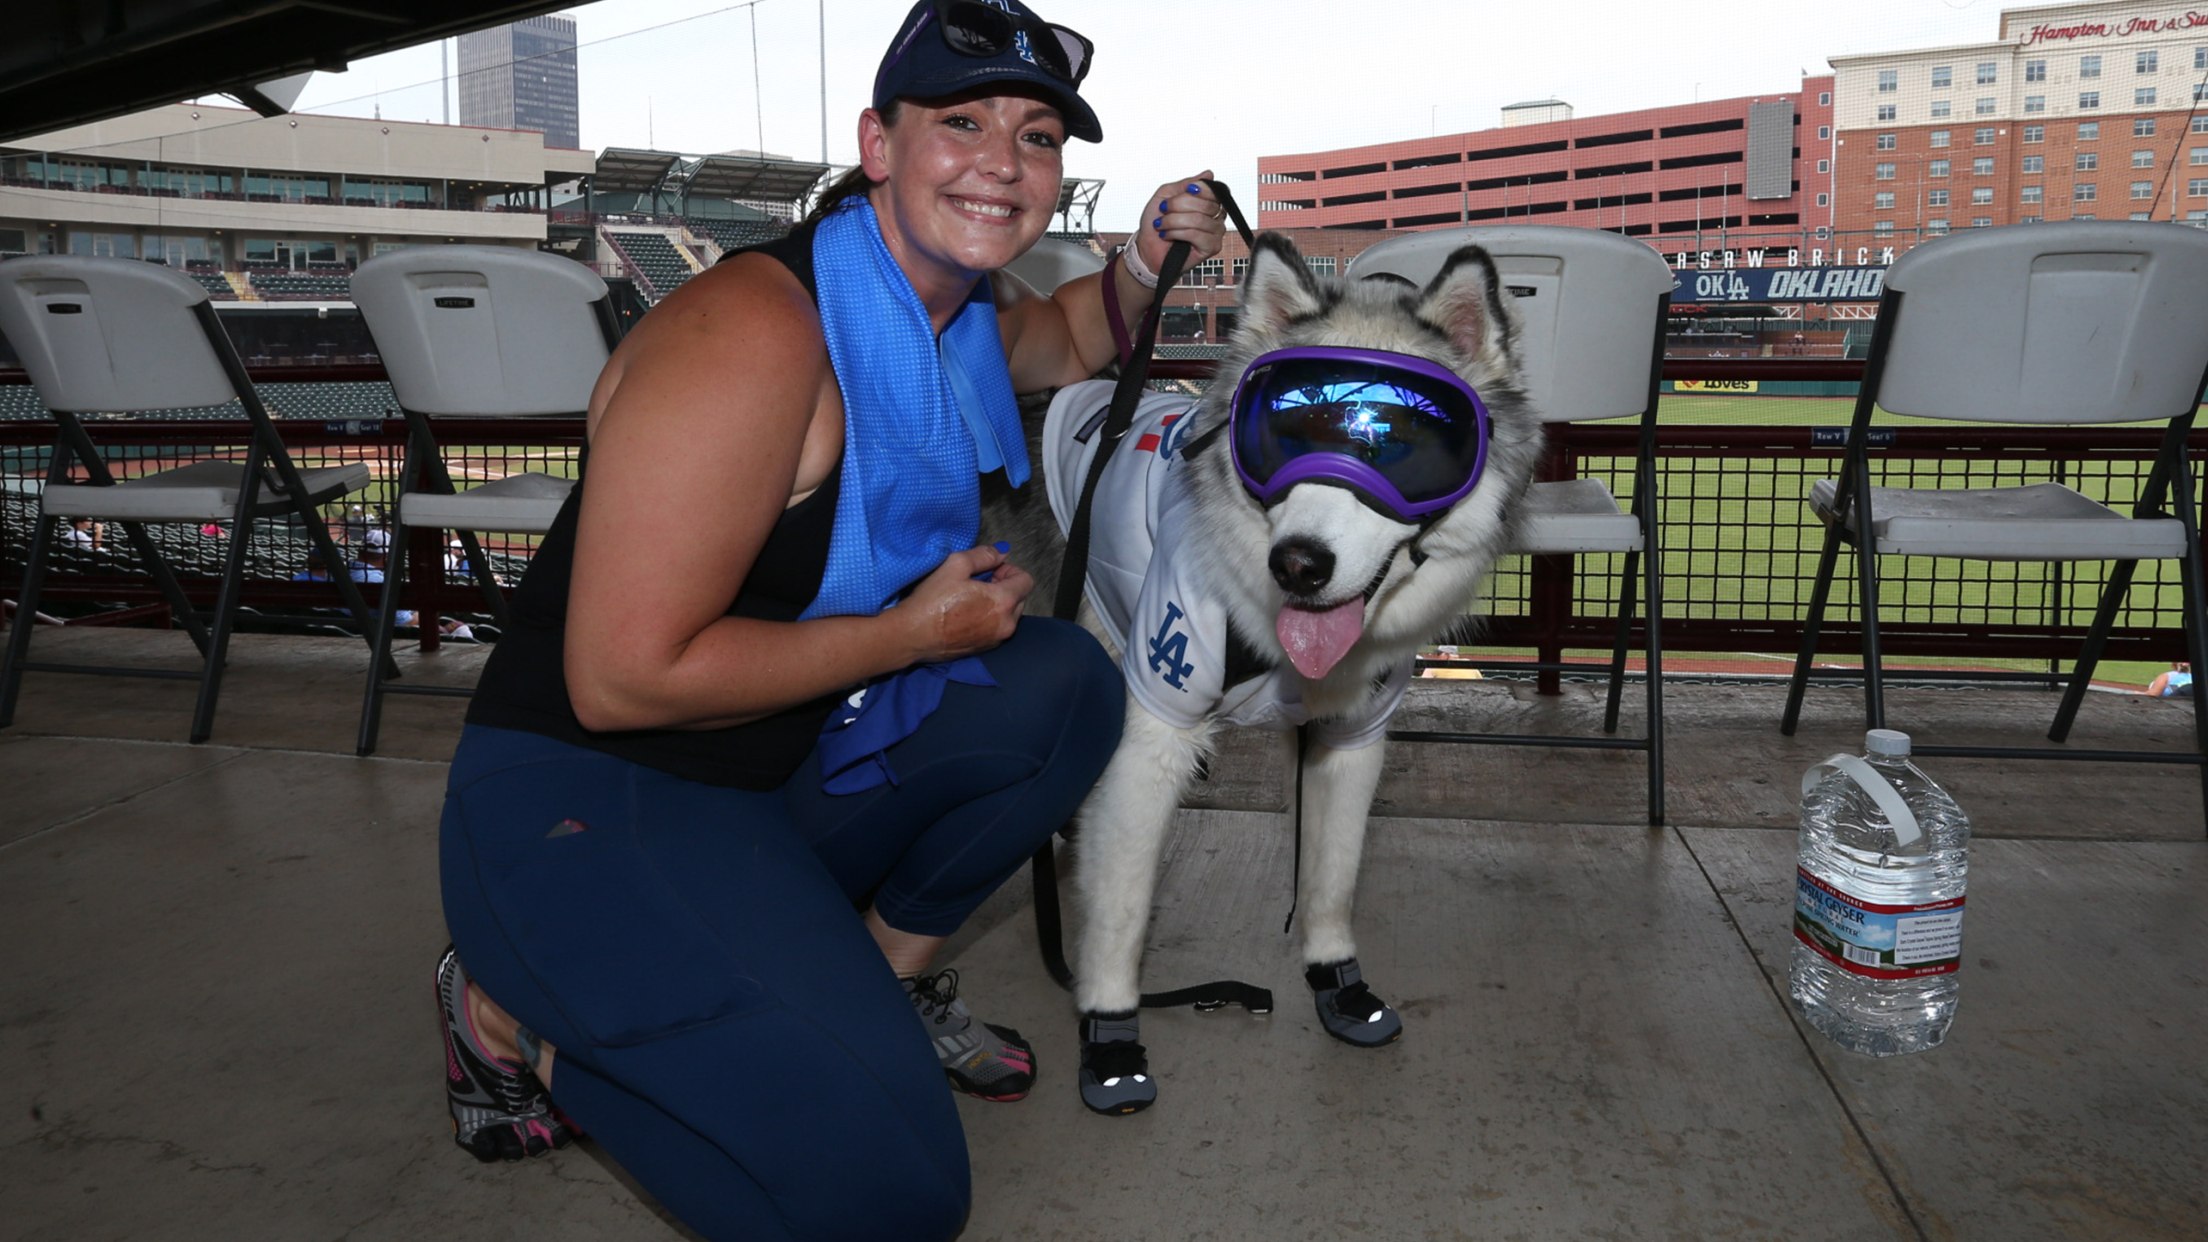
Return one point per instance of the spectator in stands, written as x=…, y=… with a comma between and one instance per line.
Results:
x=704, y=921
x=372, y=562
x=315, y=570
x=2179, y=680
x=83, y=535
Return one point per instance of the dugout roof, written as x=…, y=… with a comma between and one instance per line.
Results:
x=68, y=63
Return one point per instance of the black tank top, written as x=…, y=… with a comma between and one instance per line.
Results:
x=524, y=684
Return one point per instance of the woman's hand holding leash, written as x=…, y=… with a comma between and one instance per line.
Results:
x=968, y=605
x=1185, y=210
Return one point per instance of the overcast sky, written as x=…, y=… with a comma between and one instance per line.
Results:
x=1181, y=85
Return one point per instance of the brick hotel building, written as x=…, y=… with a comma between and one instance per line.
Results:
x=1689, y=177
x=2077, y=111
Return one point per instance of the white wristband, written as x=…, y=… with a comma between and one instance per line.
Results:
x=1130, y=257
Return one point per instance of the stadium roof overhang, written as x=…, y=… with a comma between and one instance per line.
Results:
x=626, y=170
x=66, y=62
x=760, y=179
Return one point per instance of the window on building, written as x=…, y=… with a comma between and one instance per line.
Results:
x=1884, y=172
x=1207, y=272
x=1936, y=168
x=1824, y=166
x=1886, y=142
x=2200, y=125
x=2089, y=99
x=2142, y=127
x=1942, y=109
x=2197, y=156
x=2035, y=103
x=2089, y=131
x=2032, y=194
x=1886, y=112
x=1936, y=228
x=1883, y=228
x=1824, y=132
x=2200, y=92
x=1988, y=70
x=1824, y=99
x=2087, y=161
x=1982, y=166
x=2142, y=215
x=2084, y=193
x=2035, y=133
x=1241, y=269
x=2035, y=163
x=2142, y=159
x=2035, y=70
x=2197, y=187
x=1981, y=222
x=1936, y=198
x=2027, y=219
x=1981, y=196
x=1939, y=138
x=2200, y=58
x=1984, y=106
x=1883, y=200
x=1824, y=200
x=1889, y=81
x=1322, y=264
x=2143, y=97
x=2142, y=190
x=1943, y=76
x=1982, y=137
x=2148, y=61
x=2089, y=66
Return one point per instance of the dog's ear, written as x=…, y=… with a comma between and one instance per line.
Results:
x=1278, y=289
x=1465, y=301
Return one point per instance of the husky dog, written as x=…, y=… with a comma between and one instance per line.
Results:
x=1278, y=567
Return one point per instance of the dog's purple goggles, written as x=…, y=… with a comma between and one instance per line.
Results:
x=1406, y=435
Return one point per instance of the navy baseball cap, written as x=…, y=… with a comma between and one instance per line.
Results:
x=946, y=47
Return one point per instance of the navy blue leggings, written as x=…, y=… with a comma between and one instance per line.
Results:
x=727, y=1029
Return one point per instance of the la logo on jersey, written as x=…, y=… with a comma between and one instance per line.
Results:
x=1169, y=649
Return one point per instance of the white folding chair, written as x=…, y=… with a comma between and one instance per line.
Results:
x=476, y=332
x=1591, y=305
x=2066, y=324
x=112, y=336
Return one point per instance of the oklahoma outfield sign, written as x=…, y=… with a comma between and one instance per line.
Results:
x=1803, y=284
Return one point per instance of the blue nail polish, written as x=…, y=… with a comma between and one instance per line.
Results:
x=1158, y=224
x=1194, y=188
x=1002, y=546
x=1162, y=205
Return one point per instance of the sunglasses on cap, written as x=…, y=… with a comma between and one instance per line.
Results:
x=972, y=28
x=1408, y=436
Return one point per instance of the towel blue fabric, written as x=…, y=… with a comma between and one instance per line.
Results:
x=921, y=416
x=858, y=733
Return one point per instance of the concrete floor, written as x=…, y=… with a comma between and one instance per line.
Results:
x=215, y=1015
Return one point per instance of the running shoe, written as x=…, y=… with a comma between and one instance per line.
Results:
x=499, y=1110
x=983, y=1060
x=1115, y=1068
x=1348, y=1009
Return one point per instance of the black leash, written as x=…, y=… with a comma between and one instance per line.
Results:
x=1072, y=576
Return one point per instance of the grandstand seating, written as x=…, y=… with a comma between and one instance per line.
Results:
x=663, y=266
x=298, y=287
x=217, y=288
x=737, y=234
x=318, y=402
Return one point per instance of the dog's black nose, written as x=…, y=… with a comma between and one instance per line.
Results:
x=1301, y=567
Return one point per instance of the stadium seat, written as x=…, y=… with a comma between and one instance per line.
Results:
x=1591, y=306
x=119, y=336
x=476, y=332
x=2079, y=323
x=665, y=270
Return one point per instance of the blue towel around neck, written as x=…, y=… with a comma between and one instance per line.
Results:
x=921, y=417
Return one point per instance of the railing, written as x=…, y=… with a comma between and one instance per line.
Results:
x=1739, y=546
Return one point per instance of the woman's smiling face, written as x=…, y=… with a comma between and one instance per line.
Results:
x=965, y=185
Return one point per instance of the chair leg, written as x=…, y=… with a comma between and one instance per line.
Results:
x=387, y=623
x=26, y=610
x=479, y=568
x=1811, y=623
x=1874, y=670
x=1628, y=582
x=2096, y=641
x=226, y=603
x=1654, y=613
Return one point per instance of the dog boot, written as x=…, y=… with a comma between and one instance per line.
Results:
x=985, y=1061
x=1348, y=1009
x=1115, y=1073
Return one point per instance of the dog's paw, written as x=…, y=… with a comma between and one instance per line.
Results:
x=1115, y=1068
x=1348, y=1009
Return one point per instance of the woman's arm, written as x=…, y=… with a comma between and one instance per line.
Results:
x=715, y=414
x=1067, y=337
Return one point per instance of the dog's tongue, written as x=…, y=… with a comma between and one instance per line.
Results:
x=1316, y=639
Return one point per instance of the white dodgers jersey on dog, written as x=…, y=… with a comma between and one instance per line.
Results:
x=1172, y=631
